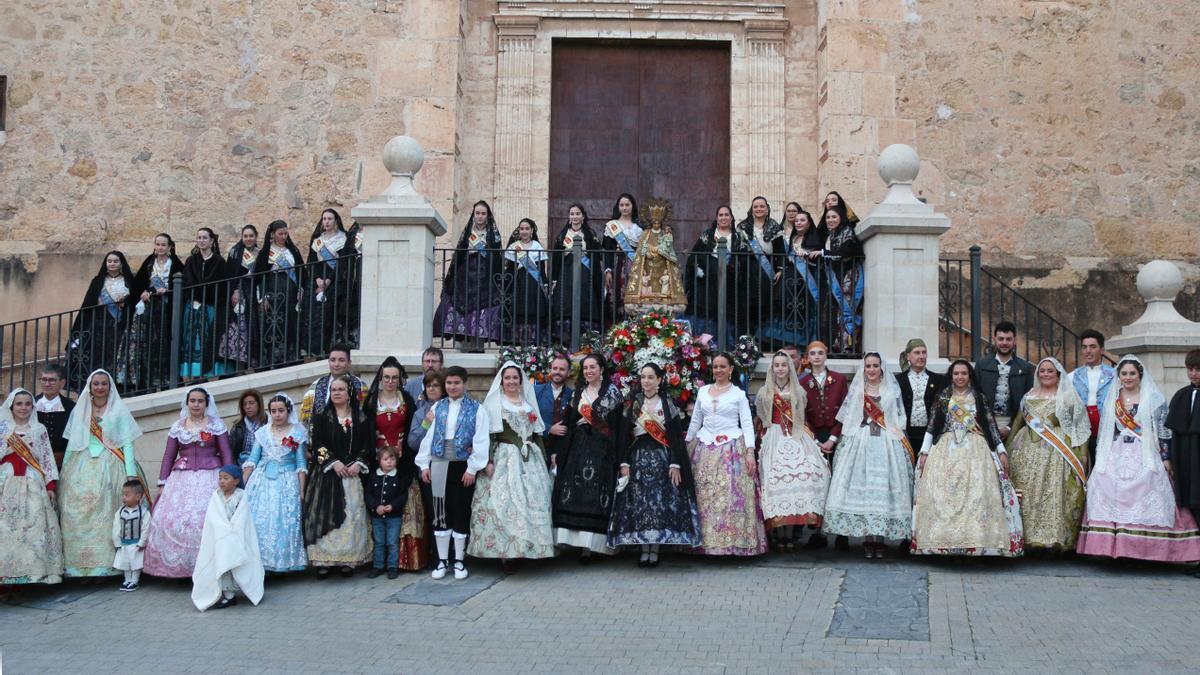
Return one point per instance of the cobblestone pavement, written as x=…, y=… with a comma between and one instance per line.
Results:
x=778, y=613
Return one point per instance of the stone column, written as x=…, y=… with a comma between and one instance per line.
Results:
x=399, y=231
x=1161, y=336
x=516, y=190
x=900, y=238
x=761, y=167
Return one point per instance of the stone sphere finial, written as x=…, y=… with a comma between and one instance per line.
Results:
x=899, y=165
x=403, y=156
x=1159, y=280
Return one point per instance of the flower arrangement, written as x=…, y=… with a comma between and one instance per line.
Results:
x=745, y=354
x=534, y=359
x=657, y=338
x=290, y=443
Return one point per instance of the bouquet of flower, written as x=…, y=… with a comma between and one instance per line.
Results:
x=656, y=338
x=533, y=359
x=745, y=355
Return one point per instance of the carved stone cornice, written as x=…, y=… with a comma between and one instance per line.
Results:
x=650, y=10
x=516, y=25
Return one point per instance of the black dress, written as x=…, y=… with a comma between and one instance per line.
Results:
x=1183, y=419
x=701, y=280
x=842, y=310
x=325, y=503
x=587, y=471
x=276, y=290
x=238, y=334
x=333, y=317
x=798, y=293
x=591, y=282
x=97, y=331
x=154, y=361
x=470, y=305
x=756, y=301
x=527, y=283
x=204, y=300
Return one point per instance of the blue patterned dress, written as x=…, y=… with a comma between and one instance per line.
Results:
x=274, y=494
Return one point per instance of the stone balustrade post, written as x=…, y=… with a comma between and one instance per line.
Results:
x=400, y=228
x=900, y=240
x=1161, y=335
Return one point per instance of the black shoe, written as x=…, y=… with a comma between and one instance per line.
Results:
x=347, y=571
x=374, y=573
x=842, y=543
x=644, y=562
x=226, y=602
x=323, y=572
x=585, y=558
x=815, y=542
x=393, y=573
x=653, y=562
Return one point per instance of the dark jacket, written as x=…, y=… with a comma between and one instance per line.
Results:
x=936, y=384
x=545, y=401
x=56, y=424
x=1020, y=381
x=384, y=491
x=821, y=409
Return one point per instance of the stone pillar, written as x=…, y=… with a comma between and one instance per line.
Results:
x=1161, y=336
x=762, y=168
x=516, y=188
x=399, y=231
x=900, y=238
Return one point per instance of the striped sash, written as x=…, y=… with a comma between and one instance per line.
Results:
x=873, y=411
x=1042, y=429
x=22, y=450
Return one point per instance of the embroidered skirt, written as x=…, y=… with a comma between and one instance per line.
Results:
x=89, y=496
x=794, y=478
x=278, y=519
x=173, y=542
x=510, y=513
x=650, y=510
x=350, y=544
x=871, y=492
x=30, y=541
x=731, y=522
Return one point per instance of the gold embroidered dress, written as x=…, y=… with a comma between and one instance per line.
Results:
x=1052, y=494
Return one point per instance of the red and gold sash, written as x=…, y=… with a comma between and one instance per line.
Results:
x=1126, y=419
x=1047, y=434
x=657, y=431
x=964, y=417
x=782, y=409
x=119, y=454
x=875, y=413
x=585, y=411
x=22, y=450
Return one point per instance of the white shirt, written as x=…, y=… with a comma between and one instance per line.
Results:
x=1093, y=384
x=727, y=415
x=919, y=417
x=49, y=405
x=478, y=459
x=819, y=378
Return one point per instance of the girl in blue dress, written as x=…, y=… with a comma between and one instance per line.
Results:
x=275, y=474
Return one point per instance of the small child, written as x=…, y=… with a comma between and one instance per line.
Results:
x=385, y=501
x=229, y=557
x=130, y=525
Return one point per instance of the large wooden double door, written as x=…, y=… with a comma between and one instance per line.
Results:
x=645, y=118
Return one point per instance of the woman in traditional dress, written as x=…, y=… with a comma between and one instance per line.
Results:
x=30, y=540
x=236, y=340
x=275, y=474
x=586, y=463
x=197, y=447
x=655, y=503
x=701, y=277
x=152, y=285
x=722, y=431
x=332, y=271
x=794, y=472
x=654, y=282
x=592, y=277
x=510, y=512
x=799, y=288
x=99, y=459
x=843, y=255
x=277, y=290
x=1049, y=457
x=336, y=528
x=103, y=319
x=433, y=388
x=871, y=492
x=203, y=294
x=965, y=504
x=252, y=414
x=527, y=264
x=390, y=410
x=469, y=311
x=622, y=233
x=1131, y=510
x=766, y=247
x=833, y=200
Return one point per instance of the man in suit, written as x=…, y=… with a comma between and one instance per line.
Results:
x=553, y=397
x=1004, y=377
x=1091, y=381
x=431, y=360
x=919, y=388
x=825, y=391
x=53, y=408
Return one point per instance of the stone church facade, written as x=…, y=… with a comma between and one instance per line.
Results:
x=1060, y=136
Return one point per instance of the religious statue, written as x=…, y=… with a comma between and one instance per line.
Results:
x=654, y=281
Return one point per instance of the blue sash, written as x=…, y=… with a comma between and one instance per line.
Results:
x=282, y=263
x=569, y=247
x=109, y=304
x=849, y=320
x=157, y=282
x=802, y=267
x=463, y=433
x=329, y=257
x=479, y=247
x=530, y=266
x=763, y=261
x=623, y=242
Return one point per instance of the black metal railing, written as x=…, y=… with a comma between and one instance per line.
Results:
x=223, y=328
x=972, y=300
x=495, y=297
